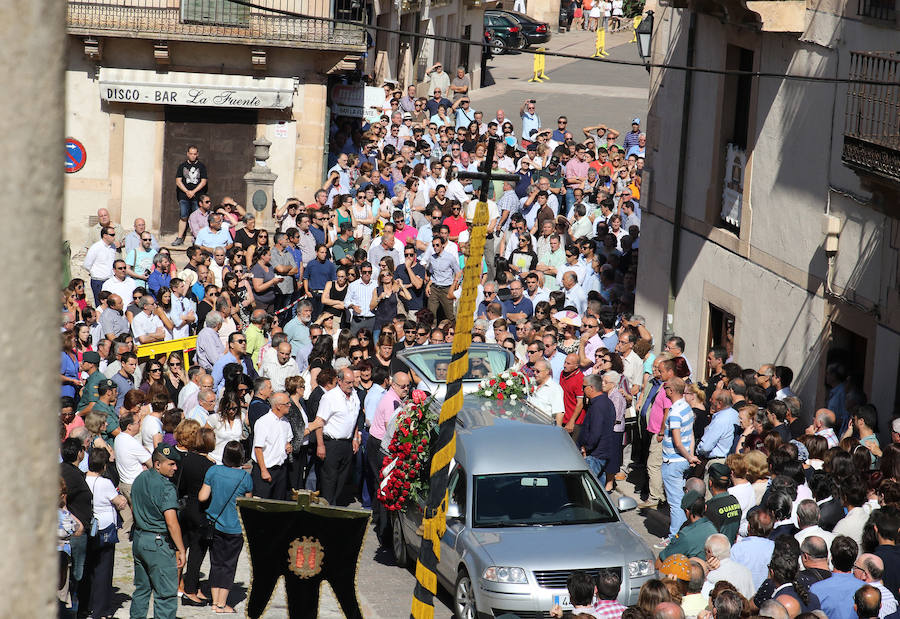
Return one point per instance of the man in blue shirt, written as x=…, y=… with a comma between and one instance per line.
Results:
x=214, y=235
x=159, y=276
x=836, y=593
x=237, y=347
x=517, y=306
x=597, y=440
x=718, y=436
x=316, y=274
x=320, y=220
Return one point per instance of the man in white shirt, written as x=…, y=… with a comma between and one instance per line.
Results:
x=191, y=388
x=574, y=293
x=206, y=406
x=272, y=437
x=359, y=298
x=729, y=570
x=147, y=327
x=120, y=283
x=281, y=367
x=131, y=460
x=183, y=313
x=808, y=521
x=534, y=290
x=548, y=396
x=335, y=427
x=99, y=260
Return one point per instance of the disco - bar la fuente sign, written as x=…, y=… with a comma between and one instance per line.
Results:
x=240, y=92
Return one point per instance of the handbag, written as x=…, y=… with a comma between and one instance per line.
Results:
x=210, y=532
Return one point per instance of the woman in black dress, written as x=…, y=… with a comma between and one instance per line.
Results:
x=189, y=479
x=333, y=296
x=386, y=295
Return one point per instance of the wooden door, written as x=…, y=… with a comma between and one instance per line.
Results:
x=224, y=137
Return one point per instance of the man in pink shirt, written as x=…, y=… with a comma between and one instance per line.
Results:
x=402, y=232
x=665, y=368
x=388, y=405
x=576, y=175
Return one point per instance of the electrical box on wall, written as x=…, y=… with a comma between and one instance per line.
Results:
x=831, y=228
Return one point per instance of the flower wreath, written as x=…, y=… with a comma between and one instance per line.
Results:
x=508, y=385
x=404, y=471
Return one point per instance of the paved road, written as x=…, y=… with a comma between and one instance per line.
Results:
x=587, y=91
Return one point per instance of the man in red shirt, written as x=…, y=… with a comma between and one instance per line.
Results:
x=571, y=379
x=455, y=221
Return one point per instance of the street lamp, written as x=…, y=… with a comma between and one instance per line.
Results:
x=644, y=32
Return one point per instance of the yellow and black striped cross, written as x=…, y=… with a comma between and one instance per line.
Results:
x=434, y=522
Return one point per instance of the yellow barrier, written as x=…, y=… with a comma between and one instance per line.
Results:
x=540, y=62
x=634, y=27
x=600, y=44
x=183, y=344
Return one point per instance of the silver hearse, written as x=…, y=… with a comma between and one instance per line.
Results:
x=524, y=510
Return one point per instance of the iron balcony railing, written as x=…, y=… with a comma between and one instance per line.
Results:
x=877, y=9
x=221, y=20
x=872, y=121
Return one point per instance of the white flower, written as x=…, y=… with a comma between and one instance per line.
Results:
x=513, y=396
x=505, y=375
x=488, y=393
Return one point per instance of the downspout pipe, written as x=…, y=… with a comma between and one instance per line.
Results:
x=682, y=165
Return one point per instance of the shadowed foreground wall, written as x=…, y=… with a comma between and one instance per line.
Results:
x=31, y=151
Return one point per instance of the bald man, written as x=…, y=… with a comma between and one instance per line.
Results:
x=867, y=602
x=133, y=238
x=823, y=425
x=773, y=609
x=279, y=368
x=870, y=569
x=668, y=610
x=791, y=605
x=105, y=220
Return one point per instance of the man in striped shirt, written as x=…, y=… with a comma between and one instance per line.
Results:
x=678, y=451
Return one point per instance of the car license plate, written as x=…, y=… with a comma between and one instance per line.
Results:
x=563, y=602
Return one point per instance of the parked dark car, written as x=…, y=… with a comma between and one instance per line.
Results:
x=534, y=32
x=502, y=34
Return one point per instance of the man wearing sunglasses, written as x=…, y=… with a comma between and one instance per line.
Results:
x=99, y=260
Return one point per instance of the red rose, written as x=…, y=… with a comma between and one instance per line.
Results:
x=492, y=382
x=499, y=396
x=503, y=385
x=515, y=374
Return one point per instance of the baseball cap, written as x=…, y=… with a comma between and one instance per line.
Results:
x=91, y=356
x=678, y=566
x=720, y=472
x=531, y=146
x=690, y=498
x=635, y=121
x=168, y=452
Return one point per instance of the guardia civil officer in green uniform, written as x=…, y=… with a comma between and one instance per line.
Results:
x=90, y=363
x=106, y=404
x=157, y=547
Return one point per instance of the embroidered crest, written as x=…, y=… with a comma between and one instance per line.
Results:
x=305, y=557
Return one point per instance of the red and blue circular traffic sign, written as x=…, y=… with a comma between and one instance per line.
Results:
x=76, y=155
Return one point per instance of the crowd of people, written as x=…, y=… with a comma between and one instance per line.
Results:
x=294, y=376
